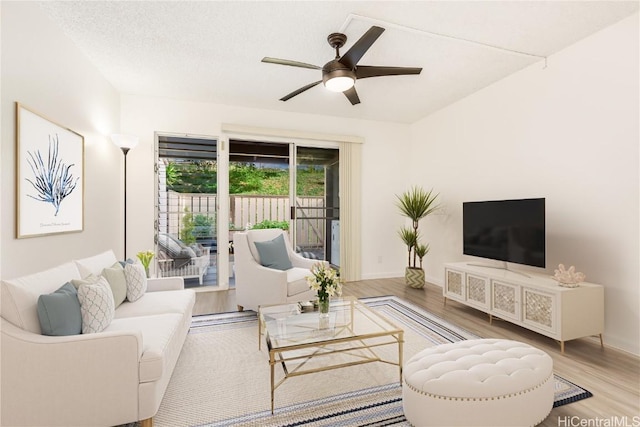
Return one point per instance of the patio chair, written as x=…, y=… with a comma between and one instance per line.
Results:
x=258, y=284
x=177, y=259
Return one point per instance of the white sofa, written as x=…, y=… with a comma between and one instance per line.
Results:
x=258, y=285
x=108, y=378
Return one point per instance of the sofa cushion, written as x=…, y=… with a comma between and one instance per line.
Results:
x=136, y=281
x=118, y=282
x=153, y=303
x=19, y=297
x=273, y=253
x=96, y=305
x=95, y=264
x=296, y=281
x=59, y=312
x=159, y=347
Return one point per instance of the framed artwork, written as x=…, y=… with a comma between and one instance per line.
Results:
x=49, y=176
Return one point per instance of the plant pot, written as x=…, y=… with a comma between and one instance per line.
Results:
x=414, y=277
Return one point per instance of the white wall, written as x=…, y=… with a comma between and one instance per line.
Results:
x=384, y=166
x=569, y=133
x=44, y=70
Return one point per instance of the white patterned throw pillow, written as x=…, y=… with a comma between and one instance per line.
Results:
x=136, y=281
x=96, y=305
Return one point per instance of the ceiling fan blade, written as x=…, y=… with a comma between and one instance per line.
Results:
x=290, y=63
x=353, y=55
x=299, y=91
x=352, y=95
x=364, y=71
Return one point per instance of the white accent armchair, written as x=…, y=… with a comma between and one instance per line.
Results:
x=257, y=285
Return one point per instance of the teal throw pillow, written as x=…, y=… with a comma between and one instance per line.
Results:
x=59, y=312
x=125, y=262
x=273, y=253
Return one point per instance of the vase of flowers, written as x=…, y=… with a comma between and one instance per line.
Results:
x=323, y=306
x=145, y=258
x=326, y=282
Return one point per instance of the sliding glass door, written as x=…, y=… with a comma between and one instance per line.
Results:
x=264, y=193
x=259, y=185
x=316, y=202
x=206, y=194
x=187, y=206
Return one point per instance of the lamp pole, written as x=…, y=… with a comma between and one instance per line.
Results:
x=125, y=143
x=125, y=150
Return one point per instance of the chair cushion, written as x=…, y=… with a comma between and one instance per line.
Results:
x=273, y=253
x=59, y=312
x=175, y=249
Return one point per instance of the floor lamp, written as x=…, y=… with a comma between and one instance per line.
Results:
x=125, y=143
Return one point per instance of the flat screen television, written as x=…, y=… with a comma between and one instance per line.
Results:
x=505, y=230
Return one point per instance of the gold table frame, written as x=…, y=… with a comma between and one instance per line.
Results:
x=344, y=326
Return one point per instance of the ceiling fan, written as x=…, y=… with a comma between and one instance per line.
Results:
x=340, y=74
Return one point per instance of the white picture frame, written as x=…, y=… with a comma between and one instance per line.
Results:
x=49, y=176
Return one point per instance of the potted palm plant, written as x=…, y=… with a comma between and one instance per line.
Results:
x=415, y=204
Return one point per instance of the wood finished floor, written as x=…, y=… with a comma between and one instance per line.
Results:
x=612, y=376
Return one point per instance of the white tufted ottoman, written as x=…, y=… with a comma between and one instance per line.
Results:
x=485, y=382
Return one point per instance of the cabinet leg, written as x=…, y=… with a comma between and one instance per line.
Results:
x=562, y=347
x=445, y=301
x=490, y=319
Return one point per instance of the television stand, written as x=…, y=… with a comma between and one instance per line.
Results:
x=536, y=302
x=503, y=266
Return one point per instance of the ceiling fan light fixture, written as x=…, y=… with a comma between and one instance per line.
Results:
x=341, y=73
x=339, y=83
x=337, y=78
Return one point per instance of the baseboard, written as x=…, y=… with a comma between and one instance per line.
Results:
x=435, y=280
x=391, y=275
x=400, y=274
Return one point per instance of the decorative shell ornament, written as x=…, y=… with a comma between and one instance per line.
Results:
x=568, y=278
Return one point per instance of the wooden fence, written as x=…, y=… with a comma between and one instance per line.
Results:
x=244, y=210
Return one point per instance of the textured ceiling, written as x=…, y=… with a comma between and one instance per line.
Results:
x=211, y=50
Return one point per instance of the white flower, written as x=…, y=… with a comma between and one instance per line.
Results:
x=325, y=281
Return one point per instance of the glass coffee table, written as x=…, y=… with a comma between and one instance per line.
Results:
x=306, y=343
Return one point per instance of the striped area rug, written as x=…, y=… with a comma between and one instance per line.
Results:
x=222, y=379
